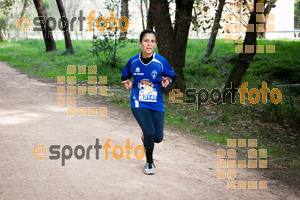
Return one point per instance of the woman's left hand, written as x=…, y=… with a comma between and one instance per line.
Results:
x=165, y=82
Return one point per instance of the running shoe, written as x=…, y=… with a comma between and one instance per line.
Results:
x=149, y=169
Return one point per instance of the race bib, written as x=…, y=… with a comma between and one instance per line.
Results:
x=149, y=96
x=147, y=91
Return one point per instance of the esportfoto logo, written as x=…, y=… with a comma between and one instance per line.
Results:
x=216, y=96
x=65, y=152
x=52, y=23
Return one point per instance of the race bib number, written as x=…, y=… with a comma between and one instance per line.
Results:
x=149, y=96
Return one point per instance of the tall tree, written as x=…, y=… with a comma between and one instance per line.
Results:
x=5, y=9
x=149, y=17
x=244, y=58
x=146, y=5
x=215, y=29
x=145, y=2
x=267, y=10
x=124, y=12
x=297, y=14
x=25, y=5
x=71, y=12
x=142, y=13
x=196, y=26
x=3, y=26
x=46, y=30
x=172, y=41
x=68, y=41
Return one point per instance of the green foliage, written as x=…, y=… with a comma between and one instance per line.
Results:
x=31, y=58
x=225, y=117
x=3, y=25
x=215, y=139
x=202, y=70
x=269, y=67
x=284, y=68
x=5, y=5
x=106, y=49
x=106, y=44
x=286, y=111
x=3, y=22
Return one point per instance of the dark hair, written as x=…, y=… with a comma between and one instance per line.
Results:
x=144, y=32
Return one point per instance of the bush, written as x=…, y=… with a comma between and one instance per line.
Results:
x=106, y=49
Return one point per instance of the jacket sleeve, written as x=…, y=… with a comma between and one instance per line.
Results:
x=126, y=74
x=168, y=72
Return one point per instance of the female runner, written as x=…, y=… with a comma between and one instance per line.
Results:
x=151, y=72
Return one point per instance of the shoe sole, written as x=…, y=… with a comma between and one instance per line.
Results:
x=149, y=173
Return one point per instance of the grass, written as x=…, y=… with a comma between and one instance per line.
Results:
x=275, y=126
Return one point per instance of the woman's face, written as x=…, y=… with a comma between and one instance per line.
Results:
x=148, y=43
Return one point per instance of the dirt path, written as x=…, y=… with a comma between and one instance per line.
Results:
x=185, y=166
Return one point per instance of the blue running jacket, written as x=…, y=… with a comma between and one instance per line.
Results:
x=146, y=88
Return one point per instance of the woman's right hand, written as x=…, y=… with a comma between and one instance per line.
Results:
x=127, y=83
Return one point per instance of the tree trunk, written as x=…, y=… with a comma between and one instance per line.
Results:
x=4, y=32
x=142, y=13
x=8, y=26
x=149, y=17
x=82, y=35
x=244, y=59
x=76, y=33
x=46, y=30
x=124, y=12
x=146, y=5
x=25, y=35
x=172, y=42
x=68, y=41
x=215, y=29
x=196, y=20
x=25, y=4
x=267, y=11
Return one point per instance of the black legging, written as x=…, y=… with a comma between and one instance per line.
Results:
x=152, y=125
